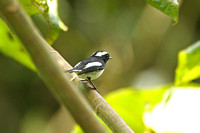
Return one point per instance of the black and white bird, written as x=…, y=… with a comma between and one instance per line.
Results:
x=92, y=67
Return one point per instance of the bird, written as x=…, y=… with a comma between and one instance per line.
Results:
x=92, y=67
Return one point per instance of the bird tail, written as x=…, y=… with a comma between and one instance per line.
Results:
x=69, y=71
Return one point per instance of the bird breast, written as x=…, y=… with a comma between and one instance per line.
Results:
x=93, y=75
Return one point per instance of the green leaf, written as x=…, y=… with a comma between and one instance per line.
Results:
x=12, y=47
x=188, y=64
x=49, y=9
x=179, y=115
x=168, y=7
x=54, y=21
x=130, y=103
x=32, y=6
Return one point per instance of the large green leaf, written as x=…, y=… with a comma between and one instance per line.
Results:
x=12, y=47
x=179, y=115
x=168, y=7
x=188, y=64
x=130, y=103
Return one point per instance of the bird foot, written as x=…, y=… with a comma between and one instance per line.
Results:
x=90, y=82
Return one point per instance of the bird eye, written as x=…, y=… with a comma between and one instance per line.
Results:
x=107, y=56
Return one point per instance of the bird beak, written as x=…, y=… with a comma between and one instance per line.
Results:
x=110, y=57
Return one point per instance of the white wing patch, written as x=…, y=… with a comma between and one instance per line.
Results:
x=92, y=64
x=101, y=53
x=75, y=70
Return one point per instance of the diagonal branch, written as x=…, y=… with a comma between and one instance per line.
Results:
x=55, y=79
x=99, y=104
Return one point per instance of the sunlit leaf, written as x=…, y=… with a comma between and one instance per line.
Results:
x=188, y=64
x=168, y=7
x=179, y=115
x=33, y=7
x=49, y=9
x=12, y=47
x=54, y=21
x=130, y=103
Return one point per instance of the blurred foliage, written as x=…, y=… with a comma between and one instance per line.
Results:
x=188, y=64
x=169, y=7
x=54, y=21
x=130, y=104
x=11, y=46
x=34, y=7
x=48, y=8
x=179, y=115
x=144, y=47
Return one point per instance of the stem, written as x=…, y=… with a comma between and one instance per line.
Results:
x=47, y=67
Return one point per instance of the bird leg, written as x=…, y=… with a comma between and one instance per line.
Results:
x=94, y=87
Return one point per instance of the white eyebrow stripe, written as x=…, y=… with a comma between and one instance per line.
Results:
x=92, y=64
x=101, y=53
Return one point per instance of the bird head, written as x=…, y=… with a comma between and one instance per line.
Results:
x=102, y=54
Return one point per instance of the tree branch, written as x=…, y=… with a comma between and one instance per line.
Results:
x=54, y=78
x=99, y=104
x=48, y=68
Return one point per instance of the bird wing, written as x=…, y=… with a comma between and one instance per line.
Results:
x=88, y=65
x=81, y=65
x=92, y=66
